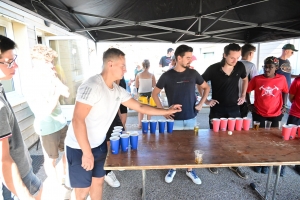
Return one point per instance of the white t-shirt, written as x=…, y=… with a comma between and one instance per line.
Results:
x=105, y=103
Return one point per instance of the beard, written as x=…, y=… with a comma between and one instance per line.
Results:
x=229, y=63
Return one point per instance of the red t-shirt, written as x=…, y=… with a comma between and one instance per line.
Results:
x=295, y=90
x=268, y=94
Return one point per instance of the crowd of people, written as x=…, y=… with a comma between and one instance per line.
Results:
x=85, y=141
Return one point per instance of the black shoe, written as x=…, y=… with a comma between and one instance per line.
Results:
x=282, y=171
x=240, y=172
x=257, y=169
x=213, y=170
x=265, y=170
x=297, y=169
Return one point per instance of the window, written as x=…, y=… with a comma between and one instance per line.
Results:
x=208, y=55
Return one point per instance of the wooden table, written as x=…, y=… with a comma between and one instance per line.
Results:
x=176, y=150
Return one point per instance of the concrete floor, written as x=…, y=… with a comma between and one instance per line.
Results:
x=225, y=185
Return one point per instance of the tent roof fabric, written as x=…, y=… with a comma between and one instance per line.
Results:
x=174, y=21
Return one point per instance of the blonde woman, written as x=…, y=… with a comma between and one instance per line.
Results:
x=145, y=81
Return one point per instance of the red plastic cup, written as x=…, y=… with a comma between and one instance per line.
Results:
x=246, y=123
x=231, y=123
x=223, y=124
x=216, y=124
x=293, y=131
x=286, y=132
x=298, y=131
x=238, y=123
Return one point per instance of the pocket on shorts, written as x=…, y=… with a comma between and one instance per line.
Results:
x=74, y=156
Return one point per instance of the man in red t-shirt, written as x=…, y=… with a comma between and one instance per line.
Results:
x=294, y=115
x=270, y=91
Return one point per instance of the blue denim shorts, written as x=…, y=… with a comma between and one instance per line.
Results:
x=31, y=181
x=184, y=124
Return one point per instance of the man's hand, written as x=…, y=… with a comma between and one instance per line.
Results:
x=283, y=109
x=241, y=100
x=172, y=110
x=211, y=102
x=198, y=107
x=87, y=161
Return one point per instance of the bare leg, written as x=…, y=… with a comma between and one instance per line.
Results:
x=124, y=119
x=64, y=162
x=96, y=188
x=189, y=169
x=81, y=193
x=140, y=117
x=49, y=165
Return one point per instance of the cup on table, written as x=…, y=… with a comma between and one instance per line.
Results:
x=256, y=125
x=199, y=156
x=286, y=132
x=161, y=126
x=238, y=123
x=124, y=142
x=118, y=127
x=231, y=124
x=280, y=124
x=170, y=125
x=216, y=124
x=153, y=124
x=246, y=123
x=293, y=131
x=268, y=124
x=114, y=144
x=118, y=131
x=145, y=125
x=298, y=131
x=115, y=134
x=223, y=124
x=134, y=140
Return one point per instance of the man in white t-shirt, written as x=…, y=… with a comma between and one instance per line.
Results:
x=97, y=103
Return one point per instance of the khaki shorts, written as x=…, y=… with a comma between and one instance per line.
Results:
x=54, y=142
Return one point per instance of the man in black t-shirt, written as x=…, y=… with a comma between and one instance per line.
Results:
x=224, y=77
x=165, y=61
x=179, y=84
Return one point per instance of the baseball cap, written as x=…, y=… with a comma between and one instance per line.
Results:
x=289, y=46
x=271, y=60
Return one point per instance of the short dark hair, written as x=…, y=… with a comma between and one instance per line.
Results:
x=146, y=63
x=231, y=47
x=6, y=44
x=247, y=48
x=170, y=50
x=181, y=50
x=111, y=53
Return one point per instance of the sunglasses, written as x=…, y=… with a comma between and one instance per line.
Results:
x=9, y=64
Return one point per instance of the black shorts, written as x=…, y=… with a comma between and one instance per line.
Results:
x=244, y=109
x=226, y=112
x=146, y=94
x=293, y=120
x=275, y=120
x=79, y=177
x=123, y=109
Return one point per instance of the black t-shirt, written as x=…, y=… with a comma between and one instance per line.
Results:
x=165, y=61
x=225, y=89
x=180, y=89
x=285, y=69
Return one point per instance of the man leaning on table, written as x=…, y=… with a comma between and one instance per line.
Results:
x=179, y=84
x=97, y=103
x=224, y=77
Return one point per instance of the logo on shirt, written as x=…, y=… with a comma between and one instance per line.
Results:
x=86, y=93
x=183, y=81
x=268, y=90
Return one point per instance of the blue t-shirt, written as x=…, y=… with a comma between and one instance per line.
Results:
x=285, y=69
x=180, y=89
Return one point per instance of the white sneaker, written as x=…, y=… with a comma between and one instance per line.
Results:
x=111, y=180
x=170, y=175
x=192, y=175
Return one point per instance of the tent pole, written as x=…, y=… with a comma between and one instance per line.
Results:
x=76, y=18
x=187, y=30
x=57, y=17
